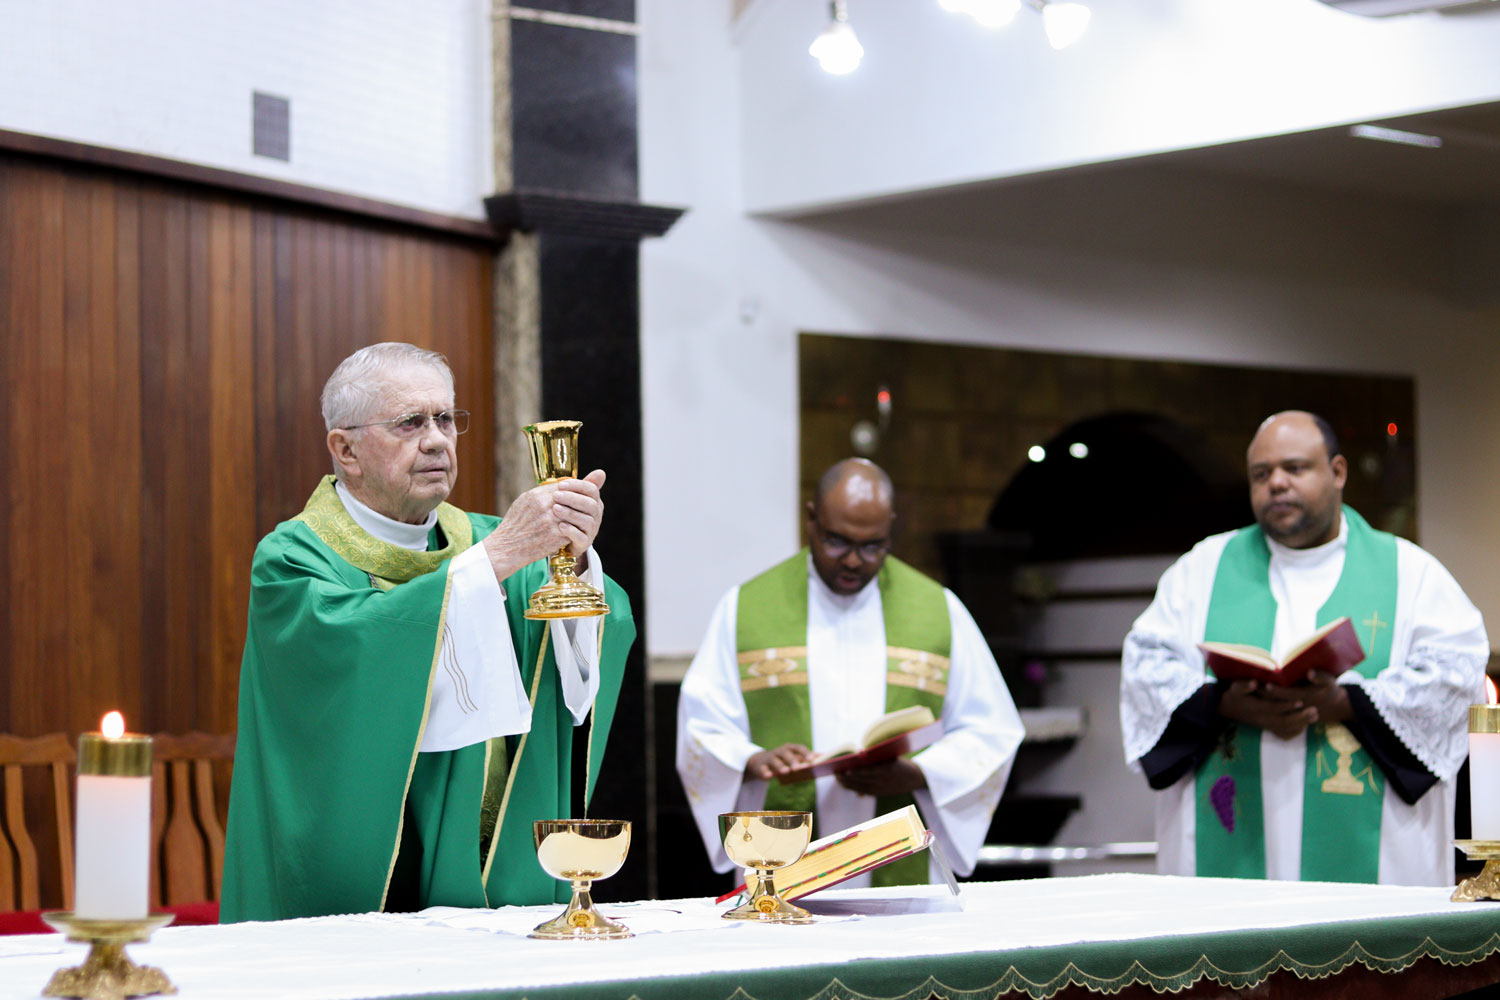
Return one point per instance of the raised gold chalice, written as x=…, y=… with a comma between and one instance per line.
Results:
x=582, y=851
x=554, y=457
x=761, y=842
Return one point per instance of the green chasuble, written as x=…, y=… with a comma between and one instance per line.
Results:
x=771, y=639
x=331, y=803
x=1343, y=789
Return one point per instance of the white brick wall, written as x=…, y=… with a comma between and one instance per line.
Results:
x=389, y=98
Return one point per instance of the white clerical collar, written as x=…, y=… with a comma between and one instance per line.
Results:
x=1314, y=555
x=407, y=536
x=841, y=602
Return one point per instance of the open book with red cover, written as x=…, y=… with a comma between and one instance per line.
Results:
x=859, y=849
x=1332, y=649
x=893, y=735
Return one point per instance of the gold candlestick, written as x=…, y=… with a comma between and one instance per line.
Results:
x=554, y=457
x=107, y=973
x=1485, y=885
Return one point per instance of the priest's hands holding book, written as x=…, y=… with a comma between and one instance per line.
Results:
x=1286, y=711
x=892, y=777
x=767, y=764
x=544, y=519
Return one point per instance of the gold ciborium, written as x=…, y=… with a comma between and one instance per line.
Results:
x=582, y=851
x=761, y=842
x=554, y=457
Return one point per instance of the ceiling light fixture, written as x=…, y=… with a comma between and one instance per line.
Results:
x=1064, y=23
x=1382, y=134
x=836, y=49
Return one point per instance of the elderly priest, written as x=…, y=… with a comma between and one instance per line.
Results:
x=1347, y=779
x=401, y=722
x=812, y=651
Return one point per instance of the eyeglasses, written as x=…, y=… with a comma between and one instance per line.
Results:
x=837, y=546
x=410, y=425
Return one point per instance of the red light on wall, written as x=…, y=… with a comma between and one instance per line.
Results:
x=1390, y=430
x=884, y=397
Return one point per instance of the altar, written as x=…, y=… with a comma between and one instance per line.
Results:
x=1037, y=938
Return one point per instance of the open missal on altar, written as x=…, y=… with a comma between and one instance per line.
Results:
x=1332, y=649
x=893, y=735
x=851, y=852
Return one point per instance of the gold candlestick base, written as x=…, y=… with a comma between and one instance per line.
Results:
x=107, y=973
x=1485, y=885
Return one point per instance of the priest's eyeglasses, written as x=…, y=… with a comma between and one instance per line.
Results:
x=408, y=425
x=837, y=546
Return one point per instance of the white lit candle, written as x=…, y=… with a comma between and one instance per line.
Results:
x=1484, y=769
x=113, y=844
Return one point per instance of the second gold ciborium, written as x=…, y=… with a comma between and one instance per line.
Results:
x=581, y=851
x=554, y=457
x=761, y=842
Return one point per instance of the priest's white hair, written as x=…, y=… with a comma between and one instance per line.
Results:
x=354, y=392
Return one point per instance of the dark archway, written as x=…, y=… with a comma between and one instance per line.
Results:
x=1121, y=484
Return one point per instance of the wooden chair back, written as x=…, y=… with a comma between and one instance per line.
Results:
x=185, y=823
x=186, y=832
x=20, y=875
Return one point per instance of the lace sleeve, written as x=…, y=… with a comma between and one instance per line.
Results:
x=1425, y=703
x=1155, y=679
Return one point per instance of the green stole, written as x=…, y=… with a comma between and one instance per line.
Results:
x=1343, y=790
x=771, y=639
x=315, y=822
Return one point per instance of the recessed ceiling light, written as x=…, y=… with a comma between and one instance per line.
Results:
x=1382, y=134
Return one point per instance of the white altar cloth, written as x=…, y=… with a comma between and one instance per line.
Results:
x=448, y=950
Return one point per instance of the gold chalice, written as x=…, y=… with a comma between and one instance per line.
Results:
x=761, y=842
x=554, y=457
x=581, y=850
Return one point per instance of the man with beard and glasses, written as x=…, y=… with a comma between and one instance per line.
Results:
x=813, y=650
x=1243, y=770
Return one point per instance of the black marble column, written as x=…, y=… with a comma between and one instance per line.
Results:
x=573, y=112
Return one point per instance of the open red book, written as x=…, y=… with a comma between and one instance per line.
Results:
x=891, y=736
x=843, y=855
x=1332, y=649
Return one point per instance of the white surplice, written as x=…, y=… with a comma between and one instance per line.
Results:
x=846, y=666
x=476, y=689
x=1436, y=670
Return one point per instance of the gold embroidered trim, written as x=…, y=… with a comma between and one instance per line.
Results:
x=515, y=766
x=421, y=731
x=775, y=680
x=774, y=653
x=331, y=522
x=920, y=683
x=919, y=658
x=1137, y=974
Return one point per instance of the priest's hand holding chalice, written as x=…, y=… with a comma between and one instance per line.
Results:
x=554, y=457
x=762, y=842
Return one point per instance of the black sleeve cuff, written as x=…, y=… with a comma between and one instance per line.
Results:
x=1407, y=775
x=1191, y=735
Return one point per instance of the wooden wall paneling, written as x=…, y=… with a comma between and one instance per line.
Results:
x=300, y=363
x=268, y=471
x=322, y=306
x=193, y=514
x=231, y=455
x=45, y=544
x=171, y=420
x=118, y=597
x=72, y=429
x=8, y=344
x=154, y=269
